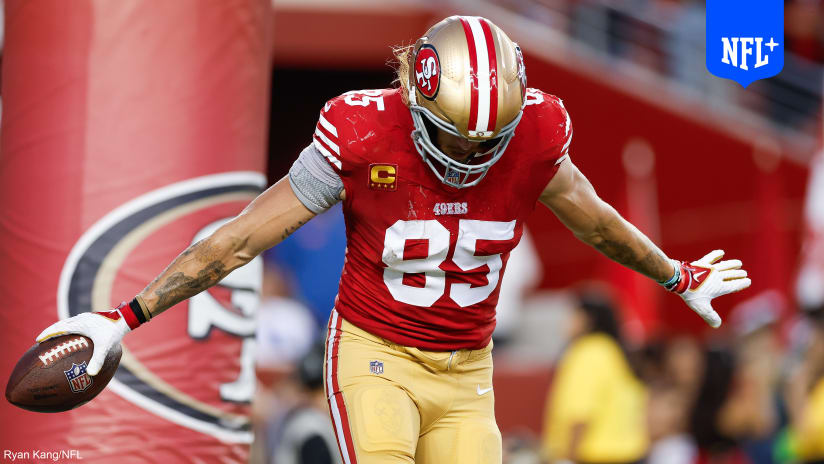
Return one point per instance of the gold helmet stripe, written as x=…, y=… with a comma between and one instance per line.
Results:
x=483, y=74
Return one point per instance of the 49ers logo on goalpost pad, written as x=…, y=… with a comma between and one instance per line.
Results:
x=195, y=367
x=427, y=71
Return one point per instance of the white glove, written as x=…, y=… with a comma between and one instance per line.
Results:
x=705, y=279
x=105, y=329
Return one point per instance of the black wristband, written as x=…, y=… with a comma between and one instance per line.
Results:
x=134, y=305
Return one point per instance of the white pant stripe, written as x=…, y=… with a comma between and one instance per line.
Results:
x=331, y=369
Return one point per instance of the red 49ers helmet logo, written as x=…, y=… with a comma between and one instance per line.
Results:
x=427, y=71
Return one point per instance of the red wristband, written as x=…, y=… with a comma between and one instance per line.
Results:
x=128, y=315
x=692, y=277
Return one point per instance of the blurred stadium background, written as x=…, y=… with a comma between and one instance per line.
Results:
x=694, y=161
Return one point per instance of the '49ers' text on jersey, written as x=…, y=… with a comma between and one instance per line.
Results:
x=424, y=260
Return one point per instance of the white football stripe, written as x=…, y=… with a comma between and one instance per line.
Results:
x=329, y=143
x=482, y=72
x=326, y=154
x=328, y=126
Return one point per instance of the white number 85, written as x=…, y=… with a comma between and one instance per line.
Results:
x=469, y=232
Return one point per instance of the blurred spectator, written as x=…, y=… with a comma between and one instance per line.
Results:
x=684, y=364
x=285, y=327
x=311, y=260
x=805, y=393
x=596, y=408
x=751, y=413
x=285, y=333
x=301, y=431
x=521, y=449
x=716, y=382
x=667, y=419
x=686, y=394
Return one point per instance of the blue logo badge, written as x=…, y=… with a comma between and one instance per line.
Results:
x=78, y=379
x=376, y=367
x=745, y=39
x=452, y=176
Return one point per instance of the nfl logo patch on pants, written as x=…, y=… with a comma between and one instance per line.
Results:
x=376, y=367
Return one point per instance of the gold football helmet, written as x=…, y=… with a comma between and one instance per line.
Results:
x=467, y=78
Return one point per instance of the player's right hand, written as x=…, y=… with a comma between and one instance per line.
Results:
x=105, y=329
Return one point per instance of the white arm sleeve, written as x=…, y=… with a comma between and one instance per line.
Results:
x=314, y=181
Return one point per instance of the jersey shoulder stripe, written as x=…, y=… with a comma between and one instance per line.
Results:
x=325, y=140
x=348, y=120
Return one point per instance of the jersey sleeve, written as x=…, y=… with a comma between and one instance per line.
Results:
x=554, y=124
x=343, y=125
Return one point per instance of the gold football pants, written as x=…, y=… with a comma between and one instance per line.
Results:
x=395, y=404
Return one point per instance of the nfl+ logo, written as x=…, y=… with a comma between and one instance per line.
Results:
x=78, y=379
x=745, y=39
x=376, y=367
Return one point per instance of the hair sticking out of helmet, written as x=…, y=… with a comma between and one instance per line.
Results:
x=403, y=55
x=464, y=77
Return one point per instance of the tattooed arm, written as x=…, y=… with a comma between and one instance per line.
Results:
x=266, y=221
x=573, y=200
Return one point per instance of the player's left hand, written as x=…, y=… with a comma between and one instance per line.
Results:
x=707, y=278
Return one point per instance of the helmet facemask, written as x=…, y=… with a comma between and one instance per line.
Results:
x=452, y=172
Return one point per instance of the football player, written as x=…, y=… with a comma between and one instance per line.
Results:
x=437, y=178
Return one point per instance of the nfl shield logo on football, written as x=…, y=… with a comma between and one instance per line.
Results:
x=376, y=367
x=78, y=379
x=745, y=39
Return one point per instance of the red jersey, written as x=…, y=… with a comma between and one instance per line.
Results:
x=424, y=260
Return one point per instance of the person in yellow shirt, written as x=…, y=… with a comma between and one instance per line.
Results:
x=596, y=408
x=805, y=394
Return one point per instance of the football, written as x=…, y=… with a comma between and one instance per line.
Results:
x=51, y=376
